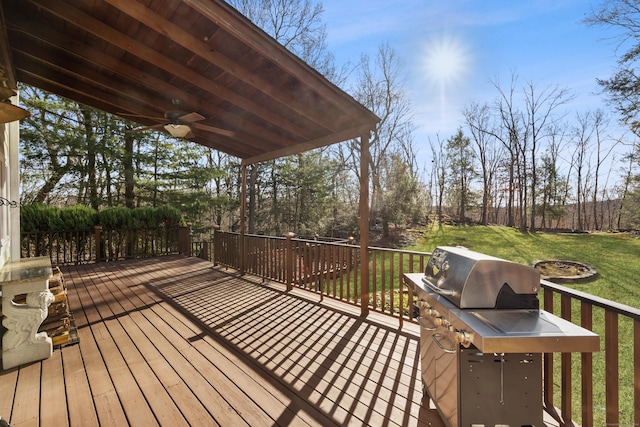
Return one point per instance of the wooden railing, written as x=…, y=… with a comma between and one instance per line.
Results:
x=619, y=328
x=332, y=270
x=64, y=248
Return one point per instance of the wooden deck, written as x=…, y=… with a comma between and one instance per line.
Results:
x=174, y=341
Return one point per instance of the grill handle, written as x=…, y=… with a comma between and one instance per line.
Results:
x=423, y=326
x=438, y=290
x=435, y=338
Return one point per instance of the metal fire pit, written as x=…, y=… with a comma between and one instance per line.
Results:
x=482, y=336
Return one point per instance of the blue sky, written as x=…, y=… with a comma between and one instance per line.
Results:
x=451, y=49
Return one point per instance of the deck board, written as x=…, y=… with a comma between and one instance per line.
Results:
x=52, y=413
x=27, y=397
x=175, y=341
x=97, y=383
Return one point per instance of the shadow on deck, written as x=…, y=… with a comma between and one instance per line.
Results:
x=175, y=341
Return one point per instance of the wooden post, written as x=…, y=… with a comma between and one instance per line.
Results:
x=97, y=232
x=184, y=240
x=289, y=261
x=243, y=219
x=216, y=244
x=364, y=223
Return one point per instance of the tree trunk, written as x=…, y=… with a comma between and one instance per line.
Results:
x=253, y=178
x=127, y=162
x=91, y=157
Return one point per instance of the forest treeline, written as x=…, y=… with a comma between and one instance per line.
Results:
x=523, y=159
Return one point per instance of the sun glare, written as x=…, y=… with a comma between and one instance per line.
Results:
x=446, y=61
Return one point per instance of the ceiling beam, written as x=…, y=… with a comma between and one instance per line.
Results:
x=253, y=133
x=199, y=47
x=223, y=15
x=335, y=137
x=73, y=16
x=8, y=80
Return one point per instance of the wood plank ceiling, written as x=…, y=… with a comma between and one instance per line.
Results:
x=148, y=59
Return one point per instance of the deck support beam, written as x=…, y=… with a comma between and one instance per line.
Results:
x=364, y=223
x=243, y=218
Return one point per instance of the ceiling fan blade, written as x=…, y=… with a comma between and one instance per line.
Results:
x=142, y=128
x=140, y=116
x=213, y=129
x=191, y=117
x=10, y=112
x=5, y=92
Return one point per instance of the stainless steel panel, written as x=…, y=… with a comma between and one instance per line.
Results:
x=500, y=389
x=473, y=280
x=510, y=331
x=446, y=379
x=427, y=367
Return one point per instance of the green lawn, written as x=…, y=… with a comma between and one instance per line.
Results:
x=615, y=256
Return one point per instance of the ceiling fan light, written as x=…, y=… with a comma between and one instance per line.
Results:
x=178, y=131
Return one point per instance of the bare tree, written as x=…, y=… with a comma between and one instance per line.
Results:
x=488, y=149
x=380, y=87
x=512, y=124
x=540, y=106
x=583, y=132
x=602, y=152
x=552, y=186
x=628, y=202
x=438, y=175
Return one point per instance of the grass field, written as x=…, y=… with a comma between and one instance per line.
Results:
x=616, y=257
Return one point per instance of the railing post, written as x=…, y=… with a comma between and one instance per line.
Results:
x=289, y=262
x=216, y=244
x=365, y=157
x=97, y=230
x=184, y=239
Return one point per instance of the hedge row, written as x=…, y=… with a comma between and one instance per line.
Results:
x=39, y=218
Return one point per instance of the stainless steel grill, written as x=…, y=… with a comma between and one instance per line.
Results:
x=482, y=336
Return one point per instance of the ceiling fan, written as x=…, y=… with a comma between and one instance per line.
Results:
x=180, y=124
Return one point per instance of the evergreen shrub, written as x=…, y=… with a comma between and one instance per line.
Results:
x=38, y=217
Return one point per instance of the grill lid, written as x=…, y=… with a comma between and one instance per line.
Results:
x=473, y=280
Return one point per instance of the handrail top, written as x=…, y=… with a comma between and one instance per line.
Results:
x=604, y=303
x=341, y=242
x=607, y=304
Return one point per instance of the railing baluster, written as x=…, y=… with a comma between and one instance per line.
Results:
x=565, y=368
x=586, y=359
x=548, y=358
x=334, y=268
x=350, y=257
x=611, y=368
x=373, y=280
x=391, y=270
x=636, y=373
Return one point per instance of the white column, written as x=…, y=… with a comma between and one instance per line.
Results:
x=14, y=184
